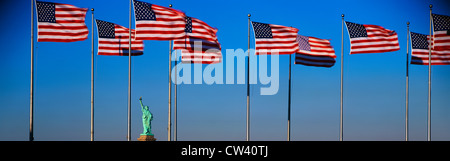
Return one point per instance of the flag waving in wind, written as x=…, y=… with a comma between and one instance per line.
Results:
x=155, y=22
x=113, y=39
x=419, y=54
x=60, y=22
x=314, y=52
x=200, y=44
x=441, y=25
x=371, y=39
x=274, y=37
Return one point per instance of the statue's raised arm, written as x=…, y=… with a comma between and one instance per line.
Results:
x=142, y=105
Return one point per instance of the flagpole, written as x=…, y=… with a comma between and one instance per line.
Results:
x=129, y=76
x=248, y=83
x=289, y=103
x=429, y=81
x=175, y=103
x=175, y=98
x=341, y=134
x=92, y=76
x=407, y=83
x=31, y=137
x=170, y=89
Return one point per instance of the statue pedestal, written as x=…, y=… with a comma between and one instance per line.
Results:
x=146, y=138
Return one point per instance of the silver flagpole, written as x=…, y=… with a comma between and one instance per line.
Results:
x=31, y=137
x=175, y=103
x=289, y=103
x=341, y=134
x=175, y=99
x=429, y=81
x=407, y=83
x=248, y=83
x=92, y=76
x=129, y=77
x=170, y=89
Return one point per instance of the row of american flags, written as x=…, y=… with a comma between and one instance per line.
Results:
x=364, y=38
x=66, y=23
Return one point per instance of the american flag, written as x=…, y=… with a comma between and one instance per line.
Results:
x=200, y=44
x=155, y=22
x=113, y=40
x=371, y=39
x=274, y=37
x=314, y=52
x=441, y=25
x=60, y=22
x=419, y=54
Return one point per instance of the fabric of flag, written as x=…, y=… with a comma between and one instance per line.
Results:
x=371, y=39
x=200, y=44
x=274, y=37
x=441, y=25
x=155, y=22
x=420, y=51
x=314, y=52
x=60, y=22
x=113, y=39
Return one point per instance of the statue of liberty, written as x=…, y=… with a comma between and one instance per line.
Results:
x=147, y=118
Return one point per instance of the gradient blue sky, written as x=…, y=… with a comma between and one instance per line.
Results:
x=374, y=84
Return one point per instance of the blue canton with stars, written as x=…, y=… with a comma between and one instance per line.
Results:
x=419, y=41
x=105, y=29
x=303, y=43
x=46, y=12
x=441, y=22
x=356, y=30
x=143, y=11
x=188, y=27
x=262, y=30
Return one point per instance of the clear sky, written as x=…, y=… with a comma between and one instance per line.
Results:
x=374, y=84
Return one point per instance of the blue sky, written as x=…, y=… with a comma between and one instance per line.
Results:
x=374, y=84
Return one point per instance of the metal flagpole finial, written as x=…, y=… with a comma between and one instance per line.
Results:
x=342, y=15
x=249, y=15
x=431, y=6
x=170, y=5
x=92, y=9
x=407, y=23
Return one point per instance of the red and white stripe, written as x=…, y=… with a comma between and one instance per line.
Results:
x=420, y=57
x=441, y=41
x=119, y=46
x=201, y=45
x=321, y=54
x=283, y=40
x=69, y=27
x=378, y=40
x=169, y=25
